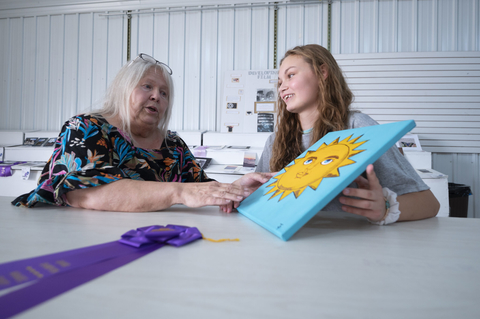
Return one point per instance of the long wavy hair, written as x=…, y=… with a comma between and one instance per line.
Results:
x=117, y=98
x=333, y=100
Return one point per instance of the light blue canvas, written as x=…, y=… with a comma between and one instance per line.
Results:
x=289, y=199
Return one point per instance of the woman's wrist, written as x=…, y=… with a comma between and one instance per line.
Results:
x=179, y=193
x=392, y=211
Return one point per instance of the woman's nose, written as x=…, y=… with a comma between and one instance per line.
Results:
x=155, y=96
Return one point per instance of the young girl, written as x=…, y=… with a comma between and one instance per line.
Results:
x=314, y=99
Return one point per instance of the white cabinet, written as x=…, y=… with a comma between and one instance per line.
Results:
x=192, y=138
x=16, y=185
x=419, y=159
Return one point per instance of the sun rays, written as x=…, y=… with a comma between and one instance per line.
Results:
x=316, y=165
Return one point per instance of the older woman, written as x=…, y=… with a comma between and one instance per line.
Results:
x=122, y=158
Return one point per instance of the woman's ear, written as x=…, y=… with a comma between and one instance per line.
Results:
x=324, y=70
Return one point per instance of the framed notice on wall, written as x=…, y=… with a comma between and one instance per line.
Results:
x=249, y=101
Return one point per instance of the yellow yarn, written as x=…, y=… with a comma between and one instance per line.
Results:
x=219, y=240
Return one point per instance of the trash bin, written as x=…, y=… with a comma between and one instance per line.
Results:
x=458, y=198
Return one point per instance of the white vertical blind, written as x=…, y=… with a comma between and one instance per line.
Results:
x=55, y=66
x=210, y=70
x=302, y=24
x=376, y=26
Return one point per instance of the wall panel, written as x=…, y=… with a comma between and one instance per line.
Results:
x=347, y=16
x=209, y=68
x=193, y=49
x=55, y=66
x=42, y=79
x=447, y=29
x=55, y=78
x=242, y=39
x=468, y=37
x=177, y=63
x=22, y=8
x=301, y=24
x=85, y=64
x=14, y=92
x=407, y=31
x=28, y=75
x=316, y=27
x=291, y=26
x=68, y=104
x=427, y=25
x=144, y=34
x=116, y=46
x=261, y=50
x=225, y=53
x=369, y=26
x=387, y=26
x=4, y=70
x=100, y=57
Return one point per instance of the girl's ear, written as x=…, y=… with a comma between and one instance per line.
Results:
x=324, y=70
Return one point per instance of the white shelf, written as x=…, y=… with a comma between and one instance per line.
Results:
x=236, y=139
x=28, y=153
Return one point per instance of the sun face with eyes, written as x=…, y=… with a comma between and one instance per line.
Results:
x=316, y=165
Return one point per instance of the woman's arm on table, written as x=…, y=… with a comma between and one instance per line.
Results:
x=142, y=196
x=418, y=205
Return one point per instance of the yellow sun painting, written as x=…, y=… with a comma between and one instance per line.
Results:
x=311, y=169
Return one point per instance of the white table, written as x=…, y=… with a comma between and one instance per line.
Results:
x=336, y=266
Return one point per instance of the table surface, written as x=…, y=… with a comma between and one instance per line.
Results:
x=336, y=266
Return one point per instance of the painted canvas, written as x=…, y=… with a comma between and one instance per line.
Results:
x=289, y=199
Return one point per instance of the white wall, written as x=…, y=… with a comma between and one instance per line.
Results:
x=405, y=25
x=55, y=66
x=65, y=60
x=56, y=60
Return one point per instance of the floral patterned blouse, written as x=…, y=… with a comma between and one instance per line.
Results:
x=90, y=152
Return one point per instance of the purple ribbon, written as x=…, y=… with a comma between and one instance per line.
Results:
x=6, y=168
x=51, y=275
x=200, y=151
x=171, y=234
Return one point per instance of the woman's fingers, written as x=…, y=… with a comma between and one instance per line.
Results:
x=228, y=208
x=253, y=180
x=367, y=200
x=211, y=193
x=373, y=181
x=227, y=196
x=228, y=191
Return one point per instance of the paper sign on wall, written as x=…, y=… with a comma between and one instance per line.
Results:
x=249, y=102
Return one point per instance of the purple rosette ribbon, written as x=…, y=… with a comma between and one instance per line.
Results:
x=51, y=275
x=174, y=235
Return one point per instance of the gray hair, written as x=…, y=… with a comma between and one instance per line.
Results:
x=117, y=98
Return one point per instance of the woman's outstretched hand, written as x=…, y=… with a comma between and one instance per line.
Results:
x=211, y=194
x=369, y=201
x=250, y=183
